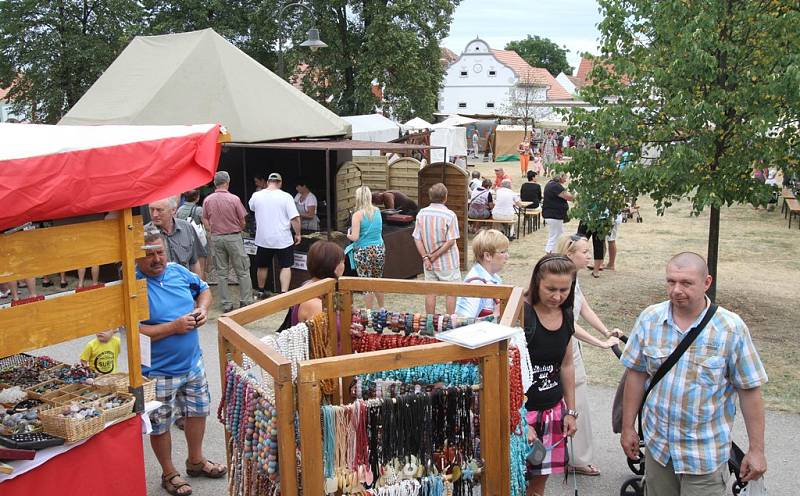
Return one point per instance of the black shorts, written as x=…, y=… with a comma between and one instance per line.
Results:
x=285, y=256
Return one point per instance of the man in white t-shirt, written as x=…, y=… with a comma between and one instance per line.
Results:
x=276, y=218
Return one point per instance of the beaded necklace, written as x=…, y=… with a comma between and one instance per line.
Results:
x=252, y=423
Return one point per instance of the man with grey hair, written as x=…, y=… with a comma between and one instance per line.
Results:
x=224, y=218
x=688, y=416
x=185, y=247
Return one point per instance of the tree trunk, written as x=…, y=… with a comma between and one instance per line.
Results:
x=713, y=251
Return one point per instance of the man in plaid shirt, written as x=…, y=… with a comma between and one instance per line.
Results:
x=688, y=416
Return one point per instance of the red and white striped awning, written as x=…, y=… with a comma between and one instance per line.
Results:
x=53, y=172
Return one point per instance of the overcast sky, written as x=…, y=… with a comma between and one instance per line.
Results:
x=566, y=22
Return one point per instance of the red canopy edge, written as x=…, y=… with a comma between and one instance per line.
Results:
x=104, y=179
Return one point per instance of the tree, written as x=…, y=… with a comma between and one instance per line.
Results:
x=52, y=51
x=394, y=43
x=701, y=92
x=541, y=52
x=522, y=102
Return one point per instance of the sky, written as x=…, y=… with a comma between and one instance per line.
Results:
x=570, y=23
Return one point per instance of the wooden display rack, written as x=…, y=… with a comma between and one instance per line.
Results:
x=51, y=250
x=235, y=340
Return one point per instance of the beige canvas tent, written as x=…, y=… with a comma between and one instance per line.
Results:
x=507, y=138
x=200, y=77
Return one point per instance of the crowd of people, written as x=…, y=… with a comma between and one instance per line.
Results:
x=687, y=416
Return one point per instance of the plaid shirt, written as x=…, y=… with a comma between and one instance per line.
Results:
x=689, y=415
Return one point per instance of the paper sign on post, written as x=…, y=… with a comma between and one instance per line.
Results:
x=144, y=349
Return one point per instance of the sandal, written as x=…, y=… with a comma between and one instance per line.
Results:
x=589, y=470
x=199, y=469
x=173, y=486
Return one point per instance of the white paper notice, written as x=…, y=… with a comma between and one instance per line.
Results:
x=144, y=349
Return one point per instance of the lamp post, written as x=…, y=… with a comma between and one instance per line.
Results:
x=313, y=42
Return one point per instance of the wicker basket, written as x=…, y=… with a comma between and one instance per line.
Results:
x=72, y=430
x=120, y=383
x=112, y=414
x=59, y=398
x=43, y=388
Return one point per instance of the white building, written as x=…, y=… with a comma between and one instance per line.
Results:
x=5, y=107
x=480, y=80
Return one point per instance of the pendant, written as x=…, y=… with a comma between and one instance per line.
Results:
x=331, y=486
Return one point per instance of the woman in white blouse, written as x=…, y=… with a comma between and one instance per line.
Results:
x=306, y=206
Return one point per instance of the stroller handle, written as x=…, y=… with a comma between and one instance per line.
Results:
x=616, y=349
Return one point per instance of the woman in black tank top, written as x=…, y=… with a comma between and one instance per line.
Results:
x=549, y=326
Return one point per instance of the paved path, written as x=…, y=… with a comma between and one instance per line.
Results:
x=783, y=432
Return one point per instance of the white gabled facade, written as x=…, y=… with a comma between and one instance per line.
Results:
x=480, y=81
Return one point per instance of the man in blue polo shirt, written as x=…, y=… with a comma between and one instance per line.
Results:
x=178, y=301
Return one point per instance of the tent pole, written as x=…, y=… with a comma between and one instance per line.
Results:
x=328, y=191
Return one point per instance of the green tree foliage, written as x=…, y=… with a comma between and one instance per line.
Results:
x=392, y=42
x=541, y=52
x=52, y=51
x=251, y=25
x=710, y=90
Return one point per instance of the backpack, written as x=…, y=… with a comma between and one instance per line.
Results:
x=198, y=228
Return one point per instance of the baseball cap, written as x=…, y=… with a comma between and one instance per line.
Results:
x=275, y=177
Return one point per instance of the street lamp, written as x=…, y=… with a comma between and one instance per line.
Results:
x=313, y=42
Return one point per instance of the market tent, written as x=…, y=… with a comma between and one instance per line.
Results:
x=417, y=123
x=455, y=120
x=454, y=138
x=373, y=127
x=198, y=77
x=53, y=172
x=507, y=138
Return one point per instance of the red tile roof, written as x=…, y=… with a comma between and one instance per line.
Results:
x=4, y=92
x=535, y=75
x=585, y=69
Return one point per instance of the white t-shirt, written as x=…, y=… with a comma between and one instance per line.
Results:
x=504, y=202
x=274, y=211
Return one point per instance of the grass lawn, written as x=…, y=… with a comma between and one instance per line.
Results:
x=759, y=272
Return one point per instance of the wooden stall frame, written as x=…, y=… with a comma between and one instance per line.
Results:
x=235, y=340
x=53, y=320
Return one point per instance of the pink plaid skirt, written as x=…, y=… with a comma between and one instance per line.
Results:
x=549, y=428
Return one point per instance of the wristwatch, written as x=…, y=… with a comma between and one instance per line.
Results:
x=573, y=413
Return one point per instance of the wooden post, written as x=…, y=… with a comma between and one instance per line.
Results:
x=131, y=301
x=491, y=417
x=345, y=343
x=504, y=437
x=333, y=339
x=284, y=403
x=310, y=436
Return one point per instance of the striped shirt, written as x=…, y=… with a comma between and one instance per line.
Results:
x=437, y=224
x=689, y=415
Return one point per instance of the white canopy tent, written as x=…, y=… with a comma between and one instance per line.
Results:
x=372, y=127
x=454, y=138
x=417, y=123
x=455, y=120
x=199, y=77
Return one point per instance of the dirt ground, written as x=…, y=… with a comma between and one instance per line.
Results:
x=759, y=268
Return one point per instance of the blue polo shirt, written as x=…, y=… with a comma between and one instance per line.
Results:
x=171, y=295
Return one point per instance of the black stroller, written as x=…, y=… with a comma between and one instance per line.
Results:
x=635, y=485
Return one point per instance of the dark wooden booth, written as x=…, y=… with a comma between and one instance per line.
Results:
x=318, y=163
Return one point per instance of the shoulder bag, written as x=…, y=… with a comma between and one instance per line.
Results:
x=736, y=455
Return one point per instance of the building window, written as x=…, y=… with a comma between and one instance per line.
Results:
x=492, y=73
x=464, y=73
x=462, y=104
x=490, y=105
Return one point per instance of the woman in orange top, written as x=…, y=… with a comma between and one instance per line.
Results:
x=524, y=156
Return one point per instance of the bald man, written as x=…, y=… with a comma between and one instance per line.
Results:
x=688, y=416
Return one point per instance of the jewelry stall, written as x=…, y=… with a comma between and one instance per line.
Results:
x=421, y=382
